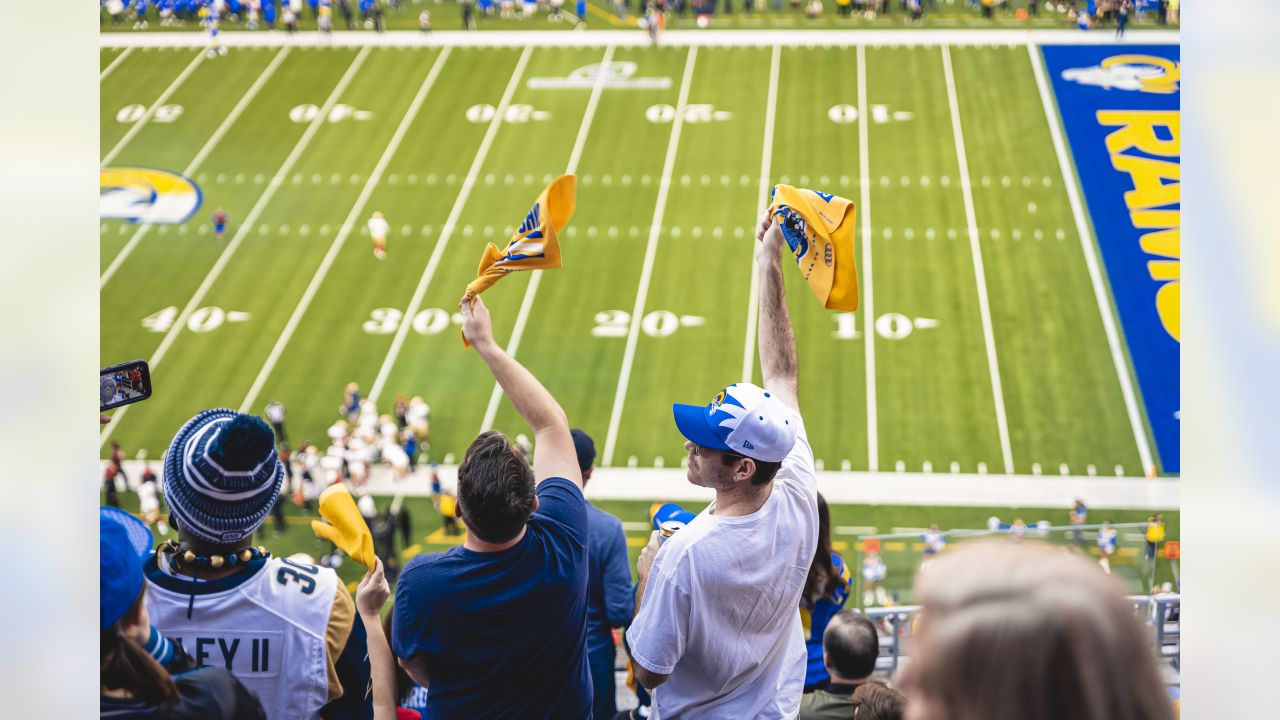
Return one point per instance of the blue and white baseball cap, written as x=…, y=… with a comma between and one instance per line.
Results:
x=125, y=543
x=742, y=418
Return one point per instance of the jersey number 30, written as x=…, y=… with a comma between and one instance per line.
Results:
x=307, y=583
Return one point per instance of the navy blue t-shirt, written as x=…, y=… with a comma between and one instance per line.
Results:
x=504, y=633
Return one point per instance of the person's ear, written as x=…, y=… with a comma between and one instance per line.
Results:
x=745, y=470
x=535, y=503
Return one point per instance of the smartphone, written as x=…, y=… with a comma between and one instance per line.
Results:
x=123, y=384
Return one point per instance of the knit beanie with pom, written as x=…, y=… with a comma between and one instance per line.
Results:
x=222, y=475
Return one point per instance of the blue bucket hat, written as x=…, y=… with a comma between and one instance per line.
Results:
x=222, y=475
x=124, y=545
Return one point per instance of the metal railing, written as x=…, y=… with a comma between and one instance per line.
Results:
x=1161, y=612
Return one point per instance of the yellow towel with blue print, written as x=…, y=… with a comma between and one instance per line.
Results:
x=819, y=230
x=534, y=245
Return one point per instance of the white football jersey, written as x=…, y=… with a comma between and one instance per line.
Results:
x=268, y=630
x=148, y=501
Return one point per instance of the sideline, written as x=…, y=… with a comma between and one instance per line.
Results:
x=675, y=38
x=839, y=487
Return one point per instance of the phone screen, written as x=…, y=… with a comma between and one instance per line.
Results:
x=123, y=384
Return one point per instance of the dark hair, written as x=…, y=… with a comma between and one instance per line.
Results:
x=764, y=470
x=876, y=701
x=127, y=666
x=852, y=645
x=495, y=488
x=823, y=578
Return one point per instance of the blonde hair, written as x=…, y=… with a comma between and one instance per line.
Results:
x=1011, y=631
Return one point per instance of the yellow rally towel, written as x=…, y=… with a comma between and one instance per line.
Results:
x=534, y=245
x=346, y=527
x=819, y=229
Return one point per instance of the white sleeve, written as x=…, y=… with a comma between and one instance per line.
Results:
x=797, y=467
x=658, y=635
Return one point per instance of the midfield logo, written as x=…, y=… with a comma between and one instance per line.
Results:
x=146, y=195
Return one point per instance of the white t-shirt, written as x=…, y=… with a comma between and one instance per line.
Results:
x=720, y=611
x=378, y=227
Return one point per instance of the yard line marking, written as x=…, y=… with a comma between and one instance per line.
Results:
x=868, y=314
x=446, y=232
x=650, y=253
x=151, y=111
x=111, y=66
x=531, y=291
x=250, y=219
x=198, y=159
x=340, y=239
x=1091, y=260
x=766, y=162
x=988, y=333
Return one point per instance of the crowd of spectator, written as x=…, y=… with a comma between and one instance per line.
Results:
x=325, y=15
x=735, y=613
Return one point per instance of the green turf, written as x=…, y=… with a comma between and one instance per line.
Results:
x=935, y=401
x=945, y=14
x=298, y=537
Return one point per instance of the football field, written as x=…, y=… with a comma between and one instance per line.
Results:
x=986, y=341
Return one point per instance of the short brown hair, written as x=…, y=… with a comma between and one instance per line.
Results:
x=876, y=701
x=764, y=470
x=495, y=488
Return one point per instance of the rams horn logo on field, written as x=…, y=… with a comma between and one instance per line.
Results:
x=1138, y=73
x=146, y=195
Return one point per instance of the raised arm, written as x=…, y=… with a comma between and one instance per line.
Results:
x=777, y=340
x=555, y=455
x=371, y=595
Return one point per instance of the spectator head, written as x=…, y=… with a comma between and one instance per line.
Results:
x=877, y=701
x=586, y=449
x=495, y=488
x=850, y=646
x=1056, y=636
x=123, y=619
x=222, y=476
x=741, y=436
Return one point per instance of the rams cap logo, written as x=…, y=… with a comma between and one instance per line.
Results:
x=1136, y=73
x=146, y=195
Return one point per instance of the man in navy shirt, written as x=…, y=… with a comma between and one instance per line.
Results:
x=610, y=601
x=497, y=627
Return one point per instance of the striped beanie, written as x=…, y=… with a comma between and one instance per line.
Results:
x=222, y=475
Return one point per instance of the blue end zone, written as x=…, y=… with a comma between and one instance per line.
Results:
x=1120, y=106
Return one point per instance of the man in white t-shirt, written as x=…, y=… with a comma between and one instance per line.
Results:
x=716, y=632
x=378, y=229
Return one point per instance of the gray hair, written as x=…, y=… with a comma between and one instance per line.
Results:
x=1011, y=631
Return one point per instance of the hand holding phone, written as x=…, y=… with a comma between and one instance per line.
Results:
x=123, y=384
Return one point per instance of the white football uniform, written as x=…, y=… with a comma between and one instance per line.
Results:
x=148, y=500
x=279, y=630
x=378, y=228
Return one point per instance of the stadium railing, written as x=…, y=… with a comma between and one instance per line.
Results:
x=1161, y=612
